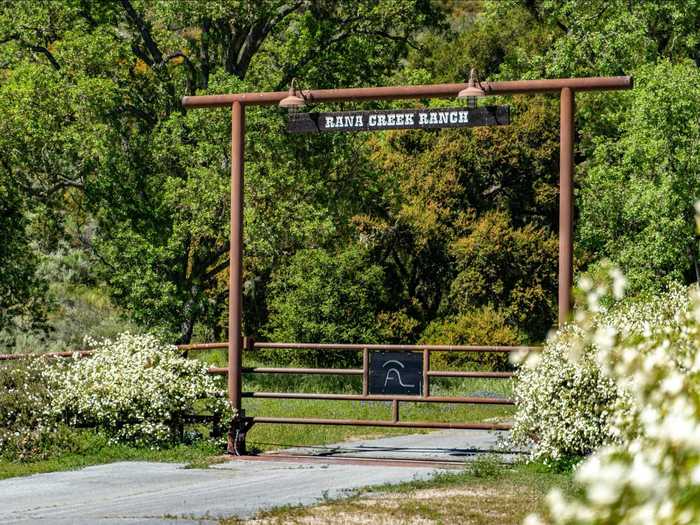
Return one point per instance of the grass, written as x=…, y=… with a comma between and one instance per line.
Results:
x=485, y=493
x=92, y=448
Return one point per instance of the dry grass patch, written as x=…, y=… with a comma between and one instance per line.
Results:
x=467, y=505
x=504, y=496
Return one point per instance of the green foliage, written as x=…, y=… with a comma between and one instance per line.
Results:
x=321, y=297
x=485, y=466
x=96, y=153
x=600, y=37
x=21, y=294
x=96, y=88
x=467, y=220
x=397, y=326
x=78, y=307
x=28, y=431
x=511, y=268
x=638, y=194
x=484, y=326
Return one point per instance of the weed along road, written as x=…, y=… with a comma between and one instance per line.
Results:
x=142, y=492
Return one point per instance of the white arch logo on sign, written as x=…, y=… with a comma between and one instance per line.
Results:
x=393, y=374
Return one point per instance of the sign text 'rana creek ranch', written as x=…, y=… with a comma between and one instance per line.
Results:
x=398, y=119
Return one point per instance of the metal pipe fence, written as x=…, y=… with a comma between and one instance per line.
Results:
x=425, y=395
x=364, y=372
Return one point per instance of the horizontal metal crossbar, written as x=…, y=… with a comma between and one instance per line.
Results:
x=360, y=347
x=374, y=397
x=285, y=370
x=77, y=353
x=356, y=372
x=511, y=87
x=382, y=423
x=459, y=373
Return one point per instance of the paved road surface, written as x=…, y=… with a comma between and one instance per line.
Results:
x=163, y=493
x=447, y=445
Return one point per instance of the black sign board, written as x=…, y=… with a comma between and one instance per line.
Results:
x=398, y=119
x=392, y=373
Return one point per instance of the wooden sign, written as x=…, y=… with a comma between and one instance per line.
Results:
x=398, y=119
x=396, y=373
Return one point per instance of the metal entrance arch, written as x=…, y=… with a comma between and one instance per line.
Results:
x=566, y=88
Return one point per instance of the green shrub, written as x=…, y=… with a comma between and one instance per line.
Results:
x=28, y=429
x=513, y=268
x=397, y=327
x=321, y=297
x=135, y=389
x=640, y=182
x=484, y=326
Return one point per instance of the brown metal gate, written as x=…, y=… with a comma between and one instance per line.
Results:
x=237, y=444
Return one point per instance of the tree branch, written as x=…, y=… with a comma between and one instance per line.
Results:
x=215, y=271
x=46, y=53
x=32, y=47
x=9, y=38
x=344, y=35
x=404, y=39
x=204, y=53
x=137, y=20
x=84, y=12
x=257, y=34
x=192, y=79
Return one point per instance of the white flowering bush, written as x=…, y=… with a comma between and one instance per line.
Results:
x=28, y=429
x=564, y=408
x=567, y=405
x=22, y=420
x=652, y=475
x=134, y=388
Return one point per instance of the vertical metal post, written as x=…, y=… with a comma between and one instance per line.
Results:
x=249, y=343
x=235, y=335
x=365, y=372
x=566, y=206
x=395, y=410
x=426, y=369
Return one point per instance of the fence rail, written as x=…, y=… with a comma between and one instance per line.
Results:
x=364, y=372
x=395, y=400
x=258, y=345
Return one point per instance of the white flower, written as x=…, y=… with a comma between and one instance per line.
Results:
x=604, y=337
x=619, y=283
x=533, y=519
x=695, y=475
x=642, y=475
x=132, y=388
x=648, y=469
x=673, y=384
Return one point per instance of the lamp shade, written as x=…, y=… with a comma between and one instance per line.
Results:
x=473, y=88
x=292, y=100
